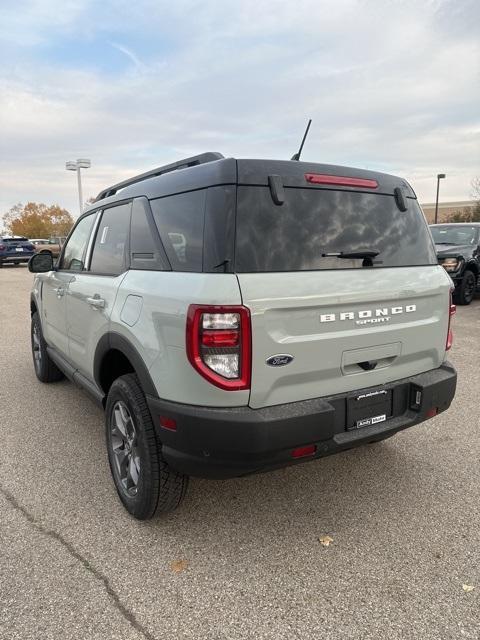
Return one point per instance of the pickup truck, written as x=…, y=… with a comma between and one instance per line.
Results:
x=458, y=251
x=52, y=245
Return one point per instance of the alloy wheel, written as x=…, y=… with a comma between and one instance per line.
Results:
x=36, y=347
x=125, y=448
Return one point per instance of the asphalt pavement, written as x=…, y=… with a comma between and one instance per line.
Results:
x=241, y=559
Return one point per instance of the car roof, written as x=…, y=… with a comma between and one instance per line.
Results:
x=212, y=169
x=456, y=224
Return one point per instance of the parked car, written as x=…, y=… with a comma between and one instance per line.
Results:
x=458, y=251
x=38, y=241
x=234, y=316
x=15, y=250
x=52, y=246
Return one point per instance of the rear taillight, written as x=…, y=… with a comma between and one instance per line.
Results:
x=2, y=247
x=30, y=247
x=219, y=344
x=451, y=312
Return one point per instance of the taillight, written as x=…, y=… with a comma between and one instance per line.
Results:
x=2, y=247
x=344, y=181
x=219, y=344
x=452, y=309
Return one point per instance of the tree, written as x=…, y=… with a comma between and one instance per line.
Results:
x=36, y=220
x=469, y=214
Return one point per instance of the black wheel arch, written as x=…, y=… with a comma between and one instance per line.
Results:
x=33, y=305
x=108, y=347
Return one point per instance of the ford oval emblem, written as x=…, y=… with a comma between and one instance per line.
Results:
x=279, y=360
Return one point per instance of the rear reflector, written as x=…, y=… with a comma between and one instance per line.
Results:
x=431, y=413
x=344, y=181
x=221, y=338
x=451, y=312
x=168, y=423
x=304, y=452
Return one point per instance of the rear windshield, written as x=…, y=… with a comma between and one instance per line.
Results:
x=452, y=234
x=312, y=224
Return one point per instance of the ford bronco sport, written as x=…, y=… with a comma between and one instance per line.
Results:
x=234, y=316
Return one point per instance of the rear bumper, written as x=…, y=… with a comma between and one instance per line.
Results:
x=16, y=258
x=230, y=442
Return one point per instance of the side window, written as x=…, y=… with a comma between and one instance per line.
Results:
x=180, y=221
x=146, y=251
x=110, y=247
x=73, y=258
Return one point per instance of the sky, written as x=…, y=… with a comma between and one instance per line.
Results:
x=390, y=85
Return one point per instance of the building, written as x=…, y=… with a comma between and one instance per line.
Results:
x=445, y=209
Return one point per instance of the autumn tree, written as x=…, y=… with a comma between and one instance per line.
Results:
x=37, y=220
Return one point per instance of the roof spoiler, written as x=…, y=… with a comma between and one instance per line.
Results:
x=203, y=158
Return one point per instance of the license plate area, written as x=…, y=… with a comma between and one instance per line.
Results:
x=368, y=408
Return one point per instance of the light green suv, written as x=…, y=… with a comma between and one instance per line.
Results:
x=233, y=316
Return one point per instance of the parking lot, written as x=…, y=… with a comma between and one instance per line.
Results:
x=241, y=559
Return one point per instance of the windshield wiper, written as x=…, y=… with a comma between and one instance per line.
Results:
x=351, y=254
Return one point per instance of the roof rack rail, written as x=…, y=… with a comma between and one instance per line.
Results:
x=202, y=158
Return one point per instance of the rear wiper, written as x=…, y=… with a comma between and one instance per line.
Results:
x=351, y=254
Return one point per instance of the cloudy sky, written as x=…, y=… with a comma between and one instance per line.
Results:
x=390, y=85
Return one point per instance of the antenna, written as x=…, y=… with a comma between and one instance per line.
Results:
x=296, y=156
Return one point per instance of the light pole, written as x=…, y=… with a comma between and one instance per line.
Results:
x=439, y=177
x=81, y=163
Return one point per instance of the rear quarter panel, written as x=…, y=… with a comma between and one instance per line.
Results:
x=151, y=310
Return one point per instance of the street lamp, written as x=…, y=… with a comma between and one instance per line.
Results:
x=439, y=177
x=81, y=163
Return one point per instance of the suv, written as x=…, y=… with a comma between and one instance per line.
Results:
x=458, y=251
x=15, y=250
x=234, y=316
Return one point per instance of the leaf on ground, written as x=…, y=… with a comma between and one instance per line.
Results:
x=178, y=566
x=325, y=541
x=468, y=587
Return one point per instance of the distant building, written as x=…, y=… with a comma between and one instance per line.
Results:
x=445, y=209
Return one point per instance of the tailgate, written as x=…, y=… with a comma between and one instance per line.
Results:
x=345, y=329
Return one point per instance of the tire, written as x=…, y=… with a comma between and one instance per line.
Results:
x=466, y=290
x=144, y=481
x=45, y=369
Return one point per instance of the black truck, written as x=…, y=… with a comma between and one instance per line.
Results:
x=458, y=251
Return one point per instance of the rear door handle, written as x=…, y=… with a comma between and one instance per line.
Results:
x=96, y=303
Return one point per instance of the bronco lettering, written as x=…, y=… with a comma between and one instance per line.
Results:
x=369, y=316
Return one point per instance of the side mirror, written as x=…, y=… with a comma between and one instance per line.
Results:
x=41, y=263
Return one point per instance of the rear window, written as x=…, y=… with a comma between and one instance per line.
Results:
x=312, y=223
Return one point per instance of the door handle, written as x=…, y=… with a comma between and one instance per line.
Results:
x=96, y=303
x=60, y=291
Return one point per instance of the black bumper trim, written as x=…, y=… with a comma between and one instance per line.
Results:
x=225, y=442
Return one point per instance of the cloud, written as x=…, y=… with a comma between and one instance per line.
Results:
x=390, y=86
x=130, y=55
